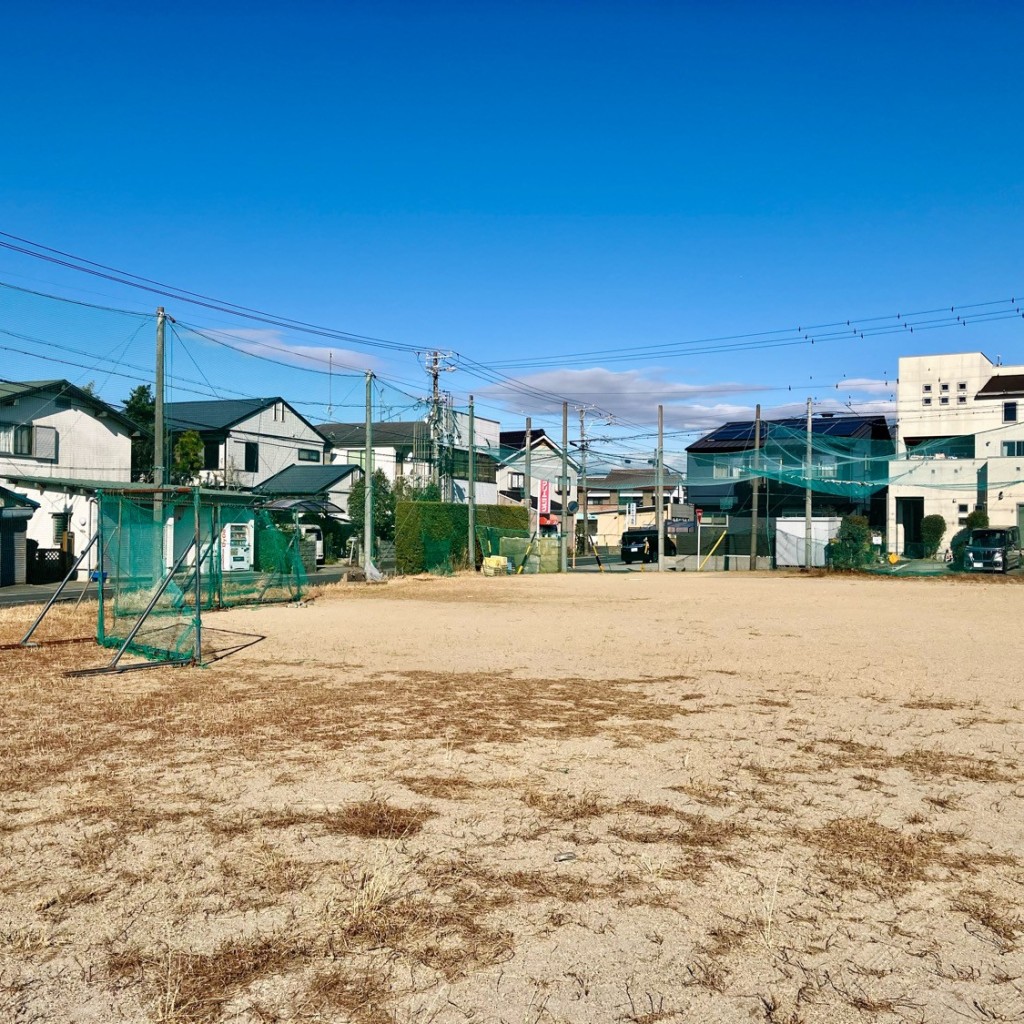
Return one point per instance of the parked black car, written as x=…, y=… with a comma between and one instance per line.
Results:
x=993, y=549
x=641, y=545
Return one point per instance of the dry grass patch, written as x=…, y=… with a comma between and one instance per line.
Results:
x=864, y=854
x=566, y=807
x=193, y=988
x=440, y=787
x=999, y=918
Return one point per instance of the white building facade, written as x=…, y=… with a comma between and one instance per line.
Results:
x=56, y=430
x=960, y=445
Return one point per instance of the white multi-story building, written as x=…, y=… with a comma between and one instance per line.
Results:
x=52, y=430
x=960, y=445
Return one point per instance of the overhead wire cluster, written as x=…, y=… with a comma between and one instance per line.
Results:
x=499, y=386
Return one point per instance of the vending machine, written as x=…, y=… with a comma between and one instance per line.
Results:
x=236, y=547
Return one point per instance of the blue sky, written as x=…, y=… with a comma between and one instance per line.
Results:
x=546, y=188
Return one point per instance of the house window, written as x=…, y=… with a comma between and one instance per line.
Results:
x=211, y=455
x=944, y=388
x=827, y=470
x=279, y=412
x=961, y=399
x=516, y=481
x=962, y=509
x=926, y=401
x=309, y=455
x=1013, y=449
x=61, y=523
x=252, y=457
x=944, y=400
x=961, y=385
x=23, y=440
x=926, y=389
x=1009, y=412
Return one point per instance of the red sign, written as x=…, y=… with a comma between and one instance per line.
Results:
x=698, y=512
x=544, y=508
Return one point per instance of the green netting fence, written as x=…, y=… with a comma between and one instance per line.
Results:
x=169, y=555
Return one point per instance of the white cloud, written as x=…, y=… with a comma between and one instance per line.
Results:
x=634, y=395
x=271, y=343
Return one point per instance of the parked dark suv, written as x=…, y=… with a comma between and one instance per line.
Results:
x=993, y=549
x=641, y=545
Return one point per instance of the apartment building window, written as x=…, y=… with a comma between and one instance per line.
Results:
x=926, y=389
x=944, y=400
x=252, y=457
x=961, y=399
x=944, y=388
x=926, y=401
x=961, y=385
x=309, y=455
x=1009, y=412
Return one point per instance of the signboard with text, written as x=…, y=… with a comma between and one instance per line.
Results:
x=544, y=506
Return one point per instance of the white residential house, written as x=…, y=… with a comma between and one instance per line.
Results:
x=404, y=450
x=248, y=440
x=52, y=430
x=960, y=445
x=545, y=469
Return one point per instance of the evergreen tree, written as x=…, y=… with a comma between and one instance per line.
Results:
x=140, y=408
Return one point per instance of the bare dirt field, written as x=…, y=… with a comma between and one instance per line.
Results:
x=623, y=797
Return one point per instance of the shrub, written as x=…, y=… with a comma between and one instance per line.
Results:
x=851, y=548
x=932, y=529
x=440, y=526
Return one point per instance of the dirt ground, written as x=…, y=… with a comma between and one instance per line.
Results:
x=623, y=797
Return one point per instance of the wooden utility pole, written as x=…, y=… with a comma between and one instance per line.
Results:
x=368, y=479
x=755, y=488
x=808, y=469
x=659, y=490
x=471, y=495
x=583, y=482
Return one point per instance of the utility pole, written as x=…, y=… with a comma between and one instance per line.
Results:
x=583, y=481
x=808, y=468
x=368, y=479
x=471, y=495
x=754, y=488
x=159, y=447
x=659, y=490
x=159, y=468
x=565, y=486
x=434, y=366
x=527, y=478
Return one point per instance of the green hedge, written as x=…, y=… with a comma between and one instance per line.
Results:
x=441, y=526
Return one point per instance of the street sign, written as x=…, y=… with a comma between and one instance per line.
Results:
x=544, y=505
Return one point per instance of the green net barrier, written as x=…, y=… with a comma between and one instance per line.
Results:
x=437, y=556
x=489, y=538
x=172, y=555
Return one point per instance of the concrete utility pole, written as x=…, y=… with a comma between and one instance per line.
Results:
x=754, y=488
x=527, y=478
x=659, y=490
x=808, y=469
x=159, y=468
x=368, y=478
x=565, y=487
x=583, y=481
x=434, y=366
x=471, y=495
